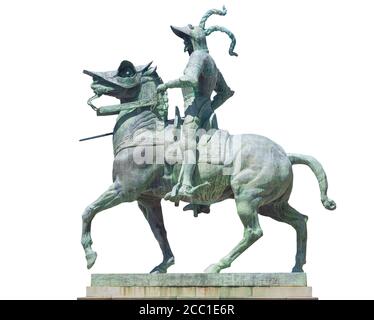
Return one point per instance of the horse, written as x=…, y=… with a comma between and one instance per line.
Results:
x=251, y=169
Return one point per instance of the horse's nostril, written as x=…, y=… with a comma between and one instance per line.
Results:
x=100, y=89
x=94, y=86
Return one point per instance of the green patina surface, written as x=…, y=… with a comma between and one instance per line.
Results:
x=252, y=169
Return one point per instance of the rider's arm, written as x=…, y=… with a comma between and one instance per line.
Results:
x=223, y=92
x=191, y=74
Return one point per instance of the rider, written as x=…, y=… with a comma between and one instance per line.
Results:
x=201, y=77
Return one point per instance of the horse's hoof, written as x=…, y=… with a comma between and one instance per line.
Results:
x=297, y=269
x=329, y=204
x=212, y=269
x=91, y=258
x=163, y=267
x=158, y=270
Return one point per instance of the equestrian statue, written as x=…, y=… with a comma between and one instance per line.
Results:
x=190, y=159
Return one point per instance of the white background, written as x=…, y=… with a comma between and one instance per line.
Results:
x=304, y=78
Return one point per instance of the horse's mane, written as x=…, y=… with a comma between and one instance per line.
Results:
x=147, y=119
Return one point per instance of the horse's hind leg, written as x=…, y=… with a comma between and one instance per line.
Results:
x=283, y=212
x=110, y=198
x=247, y=210
x=153, y=213
x=298, y=222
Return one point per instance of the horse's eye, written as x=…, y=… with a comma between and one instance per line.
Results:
x=126, y=72
x=126, y=69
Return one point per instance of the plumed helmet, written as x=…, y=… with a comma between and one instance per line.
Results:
x=195, y=36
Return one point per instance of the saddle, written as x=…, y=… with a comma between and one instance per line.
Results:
x=162, y=143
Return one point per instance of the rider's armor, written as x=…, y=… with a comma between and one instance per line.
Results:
x=200, y=78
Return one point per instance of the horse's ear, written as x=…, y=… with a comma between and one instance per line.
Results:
x=149, y=71
x=143, y=69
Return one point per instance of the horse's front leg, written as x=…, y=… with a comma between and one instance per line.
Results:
x=110, y=198
x=152, y=211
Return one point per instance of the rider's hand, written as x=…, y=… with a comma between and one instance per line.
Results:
x=161, y=88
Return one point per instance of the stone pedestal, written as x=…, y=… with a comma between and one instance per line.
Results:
x=200, y=286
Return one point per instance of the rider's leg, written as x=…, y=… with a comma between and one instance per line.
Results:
x=188, y=143
x=192, y=122
x=195, y=115
x=204, y=115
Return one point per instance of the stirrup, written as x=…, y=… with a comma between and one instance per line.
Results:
x=197, y=208
x=204, y=184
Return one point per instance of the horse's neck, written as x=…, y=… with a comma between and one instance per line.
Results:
x=146, y=120
x=131, y=125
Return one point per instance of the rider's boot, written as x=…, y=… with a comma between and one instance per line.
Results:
x=186, y=185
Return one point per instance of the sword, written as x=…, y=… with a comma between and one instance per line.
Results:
x=98, y=136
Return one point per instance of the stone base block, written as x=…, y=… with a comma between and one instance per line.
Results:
x=200, y=286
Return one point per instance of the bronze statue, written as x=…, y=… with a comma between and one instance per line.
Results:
x=149, y=151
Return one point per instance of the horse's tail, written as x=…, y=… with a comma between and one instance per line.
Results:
x=320, y=174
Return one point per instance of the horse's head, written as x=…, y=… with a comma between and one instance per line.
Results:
x=133, y=86
x=123, y=83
